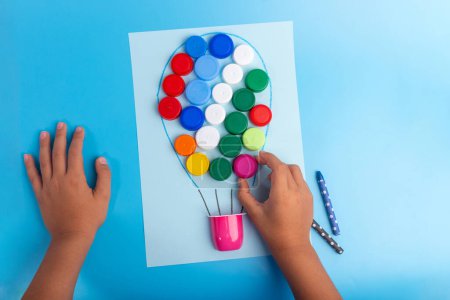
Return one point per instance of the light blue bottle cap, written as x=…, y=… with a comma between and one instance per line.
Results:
x=207, y=67
x=195, y=46
x=198, y=92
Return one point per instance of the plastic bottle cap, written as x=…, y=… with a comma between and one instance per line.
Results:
x=198, y=92
x=207, y=137
x=197, y=164
x=169, y=108
x=185, y=145
x=232, y=74
x=221, y=45
x=215, y=114
x=173, y=85
x=253, y=139
x=243, y=99
x=222, y=93
x=195, y=46
x=207, y=67
x=192, y=118
x=245, y=166
x=260, y=115
x=220, y=169
x=243, y=54
x=182, y=64
x=230, y=145
x=236, y=122
x=256, y=80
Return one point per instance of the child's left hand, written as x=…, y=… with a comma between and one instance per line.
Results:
x=71, y=210
x=69, y=207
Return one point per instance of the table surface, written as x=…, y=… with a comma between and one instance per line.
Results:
x=374, y=90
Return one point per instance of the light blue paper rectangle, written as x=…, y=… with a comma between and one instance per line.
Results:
x=175, y=219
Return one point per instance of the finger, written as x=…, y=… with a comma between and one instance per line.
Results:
x=33, y=174
x=296, y=174
x=45, y=156
x=103, y=186
x=251, y=205
x=59, y=150
x=269, y=159
x=75, y=160
x=281, y=176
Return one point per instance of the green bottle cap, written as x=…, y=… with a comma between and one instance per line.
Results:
x=256, y=80
x=243, y=99
x=253, y=139
x=236, y=122
x=230, y=145
x=220, y=169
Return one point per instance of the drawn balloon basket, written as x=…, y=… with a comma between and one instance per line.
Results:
x=214, y=100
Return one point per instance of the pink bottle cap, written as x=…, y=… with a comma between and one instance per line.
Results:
x=227, y=232
x=245, y=166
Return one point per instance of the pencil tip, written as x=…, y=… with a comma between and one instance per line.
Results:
x=319, y=175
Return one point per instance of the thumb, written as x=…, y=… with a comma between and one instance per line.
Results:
x=251, y=205
x=103, y=185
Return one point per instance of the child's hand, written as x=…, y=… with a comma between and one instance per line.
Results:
x=285, y=219
x=68, y=205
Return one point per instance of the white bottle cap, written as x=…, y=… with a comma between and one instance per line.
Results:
x=243, y=54
x=222, y=93
x=215, y=114
x=207, y=137
x=232, y=73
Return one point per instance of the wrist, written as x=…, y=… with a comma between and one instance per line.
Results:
x=79, y=237
x=299, y=249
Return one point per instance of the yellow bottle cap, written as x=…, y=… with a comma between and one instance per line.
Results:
x=197, y=164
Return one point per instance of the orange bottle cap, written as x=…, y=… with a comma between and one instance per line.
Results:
x=185, y=145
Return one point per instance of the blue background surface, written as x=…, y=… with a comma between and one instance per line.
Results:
x=374, y=88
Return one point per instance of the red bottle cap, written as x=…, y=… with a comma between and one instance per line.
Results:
x=173, y=85
x=169, y=108
x=182, y=64
x=260, y=115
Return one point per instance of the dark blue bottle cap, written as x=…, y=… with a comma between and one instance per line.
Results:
x=207, y=67
x=192, y=118
x=198, y=92
x=195, y=46
x=221, y=45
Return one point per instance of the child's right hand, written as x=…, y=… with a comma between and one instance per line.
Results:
x=285, y=219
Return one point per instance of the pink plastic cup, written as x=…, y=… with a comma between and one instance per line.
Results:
x=227, y=232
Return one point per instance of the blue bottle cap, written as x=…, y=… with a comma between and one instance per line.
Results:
x=221, y=45
x=207, y=67
x=192, y=118
x=195, y=46
x=198, y=92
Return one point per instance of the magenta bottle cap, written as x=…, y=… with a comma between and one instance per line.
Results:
x=227, y=232
x=245, y=166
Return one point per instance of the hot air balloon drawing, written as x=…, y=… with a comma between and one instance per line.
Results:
x=214, y=99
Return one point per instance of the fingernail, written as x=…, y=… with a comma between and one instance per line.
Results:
x=102, y=161
x=43, y=135
x=26, y=157
x=60, y=125
x=79, y=129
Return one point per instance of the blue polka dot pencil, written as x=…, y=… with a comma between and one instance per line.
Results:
x=327, y=202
